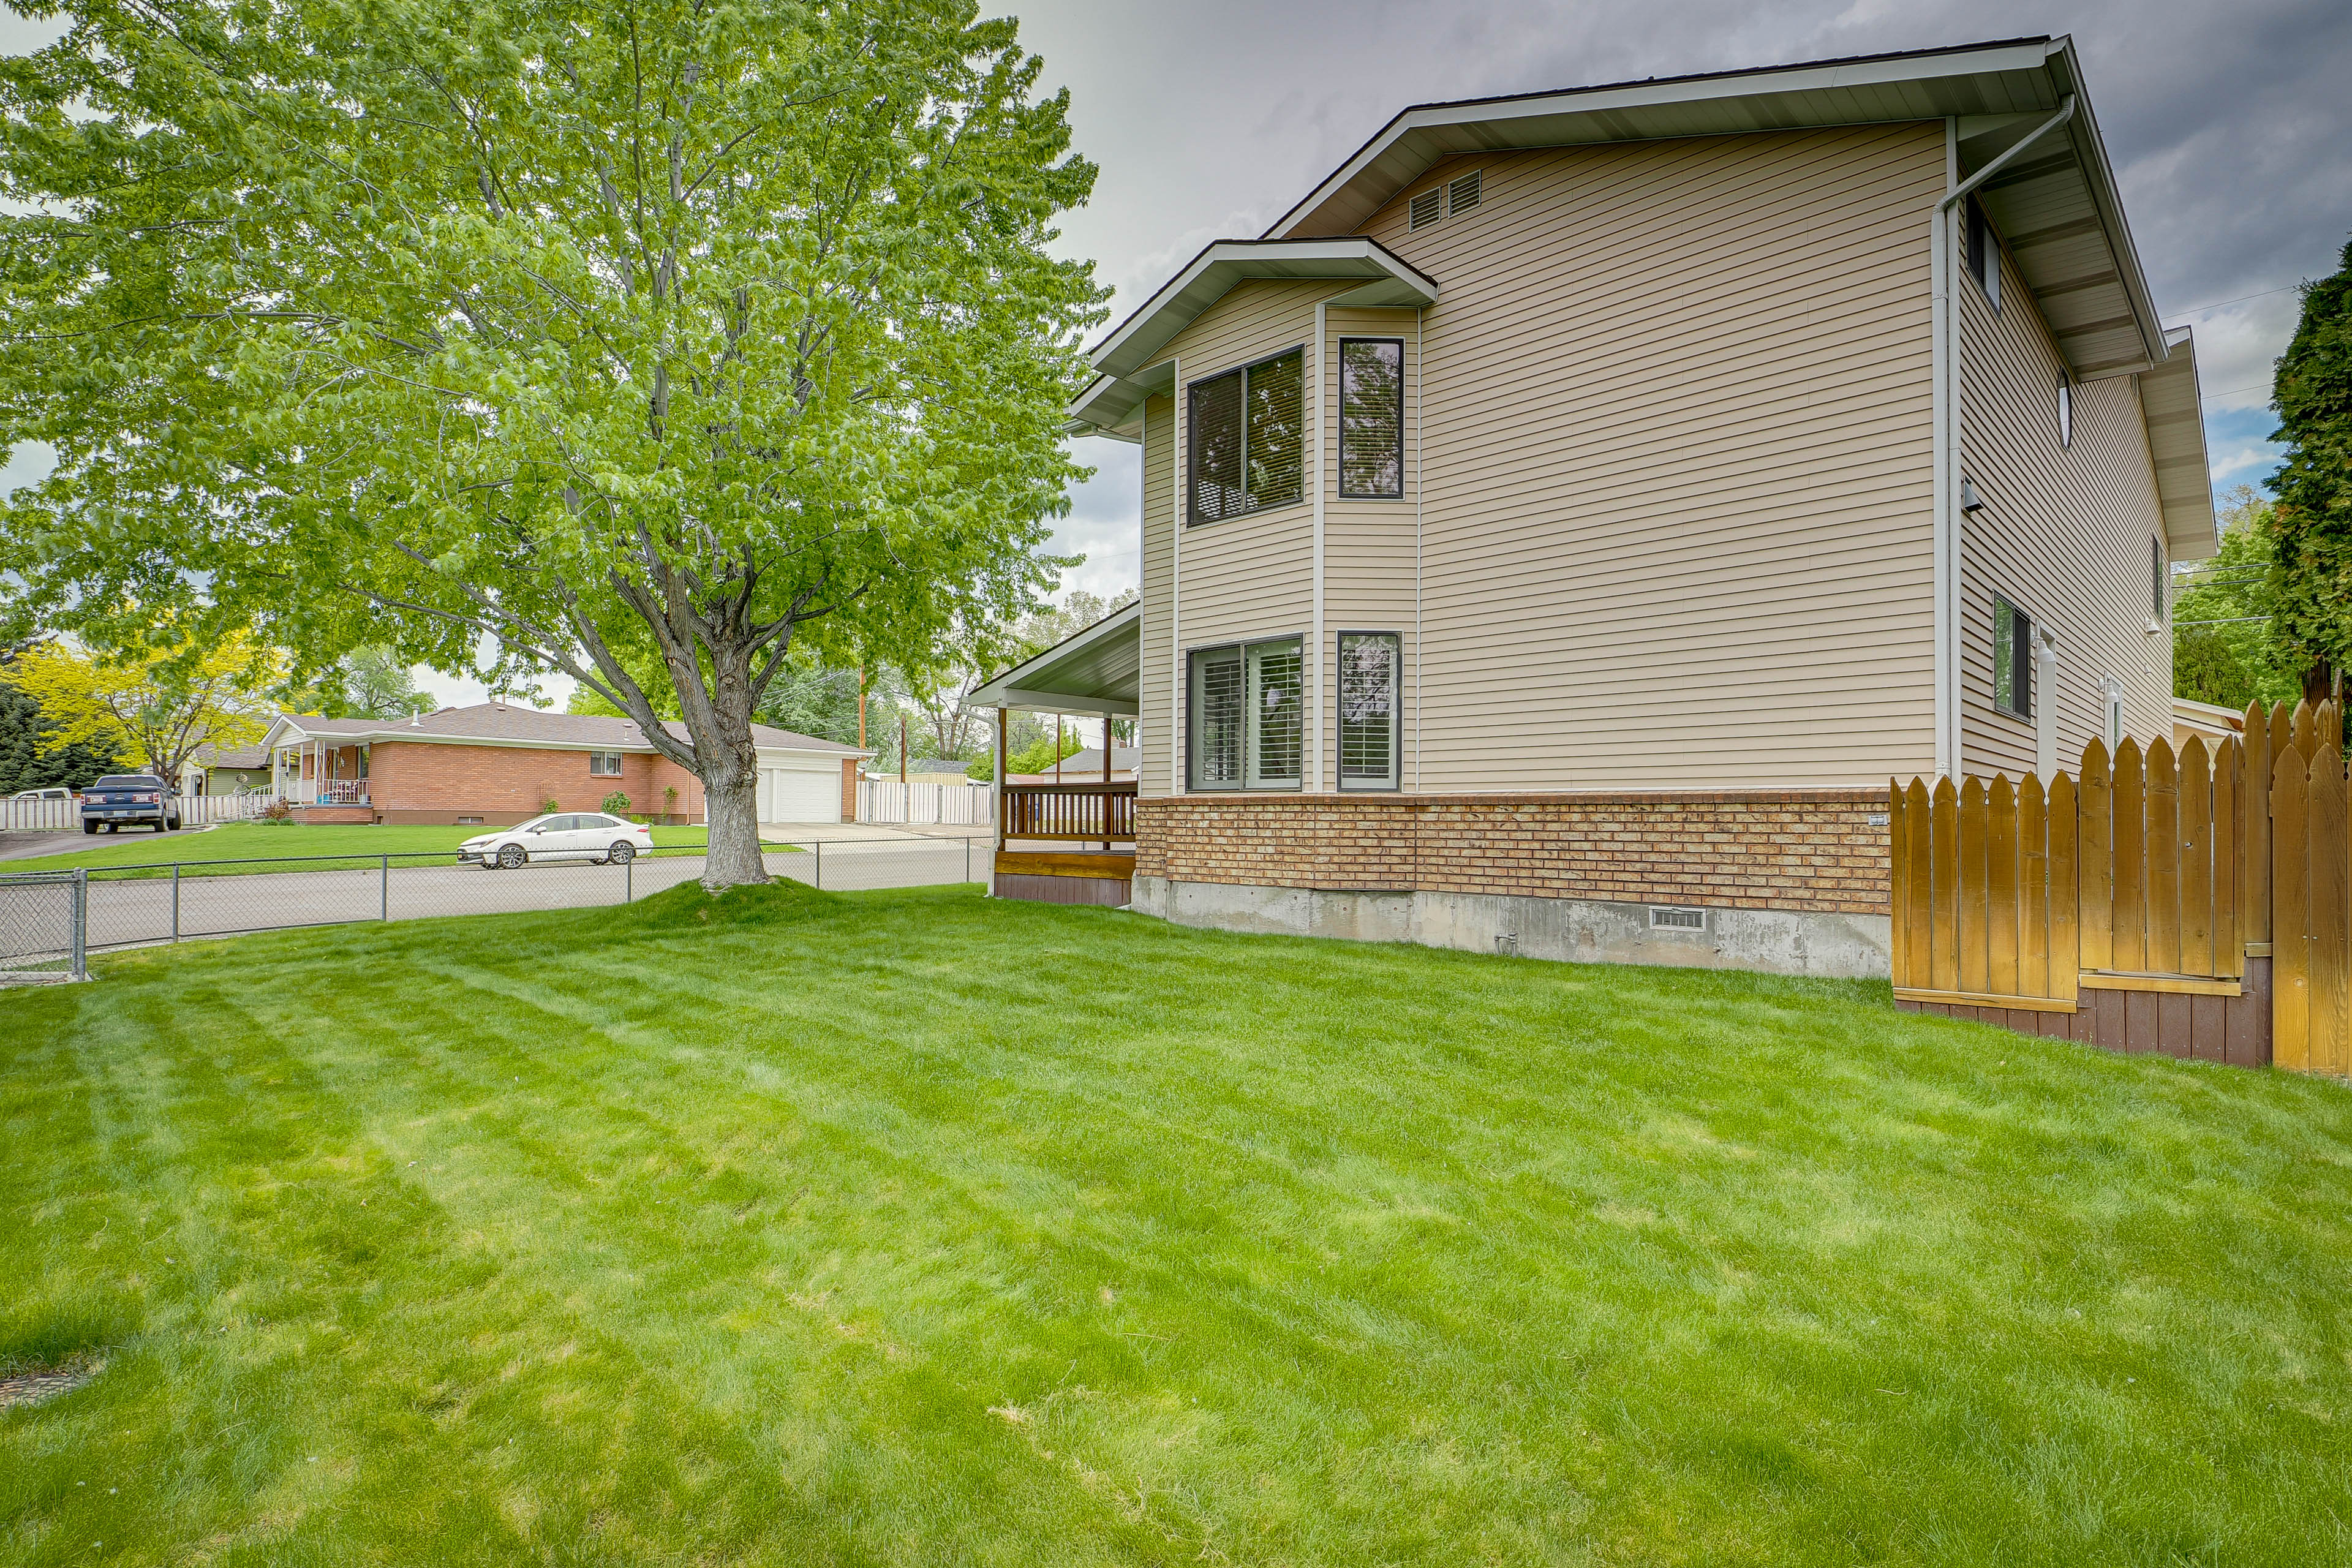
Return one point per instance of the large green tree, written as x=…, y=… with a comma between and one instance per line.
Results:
x=2311, y=526
x=2223, y=647
x=620, y=338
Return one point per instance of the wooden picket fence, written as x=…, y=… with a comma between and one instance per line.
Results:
x=2194, y=903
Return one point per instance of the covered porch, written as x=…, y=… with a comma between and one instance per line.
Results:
x=323, y=776
x=1071, y=842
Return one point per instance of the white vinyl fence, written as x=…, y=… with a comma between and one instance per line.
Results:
x=65, y=816
x=39, y=815
x=924, y=804
x=197, y=810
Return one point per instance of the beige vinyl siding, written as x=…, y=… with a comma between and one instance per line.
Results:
x=1677, y=512
x=1368, y=545
x=2063, y=534
x=1157, y=677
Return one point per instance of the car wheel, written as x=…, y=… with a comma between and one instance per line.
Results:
x=512, y=857
x=621, y=854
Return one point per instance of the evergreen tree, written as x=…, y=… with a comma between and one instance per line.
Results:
x=2311, y=526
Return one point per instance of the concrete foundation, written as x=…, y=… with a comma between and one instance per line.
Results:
x=1583, y=930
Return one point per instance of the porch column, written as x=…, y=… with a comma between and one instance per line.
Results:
x=1002, y=805
x=1105, y=805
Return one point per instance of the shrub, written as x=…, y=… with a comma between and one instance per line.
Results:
x=618, y=804
x=278, y=813
x=550, y=806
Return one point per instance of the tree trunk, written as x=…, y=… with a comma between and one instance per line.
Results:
x=727, y=762
x=2318, y=682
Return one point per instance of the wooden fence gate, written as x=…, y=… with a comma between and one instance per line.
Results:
x=2194, y=904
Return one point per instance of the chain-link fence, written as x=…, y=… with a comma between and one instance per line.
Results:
x=42, y=926
x=166, y=902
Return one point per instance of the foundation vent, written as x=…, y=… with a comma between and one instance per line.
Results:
x=1666, y=917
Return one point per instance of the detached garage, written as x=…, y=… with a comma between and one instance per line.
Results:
x=803, y=788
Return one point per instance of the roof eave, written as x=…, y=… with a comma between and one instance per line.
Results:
x=1127, y=361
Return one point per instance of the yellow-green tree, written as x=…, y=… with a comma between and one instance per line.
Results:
x=156, y=706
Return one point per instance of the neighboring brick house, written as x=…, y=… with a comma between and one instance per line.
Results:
x=494, y=764
x=1558, y=526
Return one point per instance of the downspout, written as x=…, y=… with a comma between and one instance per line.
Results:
x=1315, y=781
x=1946, y=361
x=1179, y=764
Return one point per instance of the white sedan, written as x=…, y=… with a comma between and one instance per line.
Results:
x=564, y=835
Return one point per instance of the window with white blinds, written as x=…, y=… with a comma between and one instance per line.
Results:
x=1247, y=438
x=1372, y=417
x=1248, y=716
x=1368, y=710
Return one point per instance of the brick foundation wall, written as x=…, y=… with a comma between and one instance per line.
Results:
x=424, y=782
x=1809, y=850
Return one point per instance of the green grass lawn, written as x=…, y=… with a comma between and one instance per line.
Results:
x=249, y=840
x=906, y=1228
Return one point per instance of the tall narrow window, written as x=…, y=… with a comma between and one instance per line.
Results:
x=1248, y=713
x=2013, y=658
x=1372, y=416
x=2156, y=579
x=1217, y=718
x=1246, y=438
x=1984, y=255
x=1277, y=707
x=2065, y=410
x=1368, y=710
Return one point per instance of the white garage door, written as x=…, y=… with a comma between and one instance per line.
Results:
x=799, y=794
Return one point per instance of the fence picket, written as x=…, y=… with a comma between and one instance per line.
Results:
x=2001, y=889
x=2065, y=951
x=1974, y=889
x=2229, y=874
x=1944, y=862
x=2094, y=846
x=2300, y=730
x=2328, y=727
x=2032, y=889
x=1921, y=902
x=2128, y=795
x=2330, y=1022
x=2254, y=827
x=2290, y=913
x=2194, y=835
x=2161, y=804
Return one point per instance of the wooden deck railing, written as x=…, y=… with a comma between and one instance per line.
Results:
x=1104, y=812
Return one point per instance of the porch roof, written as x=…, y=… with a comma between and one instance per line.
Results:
x=1099, y=670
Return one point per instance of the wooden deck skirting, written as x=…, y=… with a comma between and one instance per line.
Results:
x=1065, y=875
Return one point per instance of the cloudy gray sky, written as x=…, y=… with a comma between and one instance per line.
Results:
x=2228, y=124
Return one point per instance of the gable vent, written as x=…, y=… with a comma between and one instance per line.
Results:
x=1462, y=194
x=1428, y=208
x=1663, y=918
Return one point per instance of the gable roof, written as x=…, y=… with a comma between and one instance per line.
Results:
x=1129, y=360
x=2056, y=208
x=503, y=724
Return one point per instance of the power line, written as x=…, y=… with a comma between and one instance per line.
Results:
x=2258, y=294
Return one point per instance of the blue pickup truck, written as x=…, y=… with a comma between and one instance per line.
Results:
x=129, y=800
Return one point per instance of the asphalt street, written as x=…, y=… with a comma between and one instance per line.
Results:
x=125, y=911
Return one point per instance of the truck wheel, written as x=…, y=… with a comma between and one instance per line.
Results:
x=90, y=827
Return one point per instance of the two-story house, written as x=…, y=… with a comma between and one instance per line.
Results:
x=1561, y=525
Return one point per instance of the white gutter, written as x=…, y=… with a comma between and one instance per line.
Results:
x=1948, y=421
